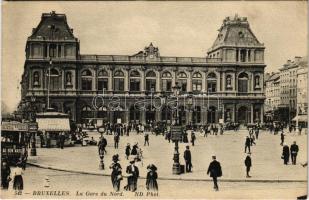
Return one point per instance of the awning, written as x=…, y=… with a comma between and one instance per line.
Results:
x=53, y=124
x=301, y=118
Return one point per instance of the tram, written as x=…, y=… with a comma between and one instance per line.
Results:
x=14, y=142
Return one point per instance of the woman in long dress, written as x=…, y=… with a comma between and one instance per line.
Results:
x=285, y=154
x=151, y=180
x=116, y=175
x=18, y=183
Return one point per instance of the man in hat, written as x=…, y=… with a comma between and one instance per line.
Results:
x=133, y=174
x=248, y=164
x=102, y=145
x=187, y=157
x=294, y=150
x=247, y=144
x=146, y=136
x=215, y=171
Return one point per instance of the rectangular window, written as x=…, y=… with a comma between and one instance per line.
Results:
x=167, y=85
x=150, y=83
x=183, y=84
x=119, y=84
x=134, y=84
x=102, y=83
x=197, y=85
x=59, y=50
x=86, y=84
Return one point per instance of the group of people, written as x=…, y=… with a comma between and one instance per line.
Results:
x=133, y=174
x=290, y=151
x=13, y=175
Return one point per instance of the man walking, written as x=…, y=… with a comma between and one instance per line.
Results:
x=247, y=144
x=187, y=157
x=248, y=164
x=215, y=171
x=101, y=145
x=294, y=150
x=282, y=138
x=146, y=138
x=116, y=139
x=193, y=138
x=257, y=131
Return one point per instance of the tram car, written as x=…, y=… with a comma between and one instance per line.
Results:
x=14, y=142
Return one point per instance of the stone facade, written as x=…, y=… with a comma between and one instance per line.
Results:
x=225, y=84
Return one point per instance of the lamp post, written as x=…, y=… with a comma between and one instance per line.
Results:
x=33, y=145
x=176, y=131
x=190, y=103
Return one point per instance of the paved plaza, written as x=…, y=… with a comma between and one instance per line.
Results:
x=229, y=149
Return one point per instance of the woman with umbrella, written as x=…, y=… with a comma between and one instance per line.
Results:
x=151, y=180
x=116, y=175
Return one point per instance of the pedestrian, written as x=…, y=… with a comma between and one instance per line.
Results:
x=257, y=131
x=187, y=157
x=102, y=145
x=128, y=150
x=205, y=131
x=169, y=135
x=215, y=171
x=134, y=150
x=116, y=175
x=146, y=136
x=116, y=139
x=62, y=139
x=133, y=174
x=185, y=137
x=248, y=164
x=221, y=129
x=18, y=183
x=247, y=144
x=294, y=150
x=285, y=154
x=252, y=139
x=151, y=179
x=5, y=175
x=193, y=138
x=290, y=128
x=282, y=138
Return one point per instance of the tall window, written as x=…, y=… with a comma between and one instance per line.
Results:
x=211, y=82
x=54, y=79
x=228, y=82
x=182, y=81
x=52, y=50
x=135, y=81
x=86, y=80
x=257, y=81
x=36, y=79
x=103, y=80
x=197, y=82
x=118, y=81
x=166, y=82
x=151, y=81
x=243, y=83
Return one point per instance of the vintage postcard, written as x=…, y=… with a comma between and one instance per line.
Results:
x=154, y=100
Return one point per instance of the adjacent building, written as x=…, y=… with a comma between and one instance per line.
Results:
x=272, y=92
x=225, y=84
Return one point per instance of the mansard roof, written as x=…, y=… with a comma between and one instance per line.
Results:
x=235, y=32
x=53, y=26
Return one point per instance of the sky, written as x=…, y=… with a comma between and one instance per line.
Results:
x=177, y=28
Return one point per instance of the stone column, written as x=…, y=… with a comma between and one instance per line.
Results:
x=62, y=79
x=235, y=112
x=204, y=80
x=239, y=55
x=158, y=115
x=143, y=85
x=158, y=82
x=143, y=116
x=189, y=81
x=223, y=81
x=126, y=81
x=262, y=114
x=94, y=80
x=252, y=114
x=247, y=55
x=223, y=112
x=110, y=81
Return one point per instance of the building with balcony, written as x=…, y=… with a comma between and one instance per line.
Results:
x=226, y=84
x=272, y=93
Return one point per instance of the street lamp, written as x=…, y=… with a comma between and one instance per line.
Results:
x=176, y=132
x=33, y=145
x=190, y=103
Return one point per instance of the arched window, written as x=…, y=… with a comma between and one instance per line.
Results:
x=182, y=81
x=211, y=82
x=103, y=80
x=55, y=81
x=86, y=80
x=257, y=81
x=135, y=81
x=166, y=81
x=68, y=79
x=151, y=81
x=197, y=81
x=119, y=81
x=87, y=112
x=243, y=82
x=36, y=79
x=228, y=82
x=102, y=112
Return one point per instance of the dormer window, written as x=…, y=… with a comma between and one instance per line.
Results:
x=241, y=34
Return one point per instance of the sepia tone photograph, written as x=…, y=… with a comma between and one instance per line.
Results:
x=154, y=100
